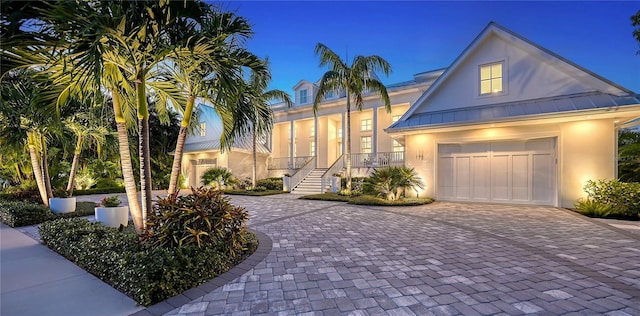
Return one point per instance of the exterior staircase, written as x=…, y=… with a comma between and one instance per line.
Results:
x=311, y=184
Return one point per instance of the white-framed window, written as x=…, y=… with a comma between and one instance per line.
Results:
x=329, y=94
x=340, y=132
x=203, y=128
x=366, y=125
x=491, y=78
x=303, y=96
x=312, y=131
x=312, y=148
x=397, y=147
x=365, y=144
x=395, y=118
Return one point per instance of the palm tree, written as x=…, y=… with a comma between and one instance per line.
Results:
x=260, y=115
x=85, y=129
x=210, y=73
x=356, y=80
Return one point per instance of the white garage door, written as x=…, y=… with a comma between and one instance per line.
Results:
x=521, y=172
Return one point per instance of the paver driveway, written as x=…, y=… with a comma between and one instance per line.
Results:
x=330, y=258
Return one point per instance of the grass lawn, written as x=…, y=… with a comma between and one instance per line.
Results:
x=367, y=200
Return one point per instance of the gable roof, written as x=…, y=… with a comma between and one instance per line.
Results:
x=240, y=144
x=412, y=119
x=301, y=82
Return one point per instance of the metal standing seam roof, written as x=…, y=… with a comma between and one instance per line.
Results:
x=519, y=109
x=240, y=144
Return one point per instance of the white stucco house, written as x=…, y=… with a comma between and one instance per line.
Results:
x=507, y=122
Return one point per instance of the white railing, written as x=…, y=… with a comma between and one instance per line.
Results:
x=285, y=162
x=302, y=173
x=394, y=158
x=337, y=166
x=361, y=160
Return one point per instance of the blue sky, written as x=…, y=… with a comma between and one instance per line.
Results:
x=417, y=36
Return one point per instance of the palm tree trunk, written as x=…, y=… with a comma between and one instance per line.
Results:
x=127, y=167
x=143, y=145
x=74, y=165
x=182, y=136
x=255, y=159
x=348, y=151
x=45, y=168
x=174, y=186
x=37, y=173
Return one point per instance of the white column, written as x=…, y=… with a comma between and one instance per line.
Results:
x=291, y=142
x=315, y=138
x=374, y=138
x=344, y=132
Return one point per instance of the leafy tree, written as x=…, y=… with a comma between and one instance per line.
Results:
x=256, y=101
x=629, y=155
x=218, y=177
x=356, y=79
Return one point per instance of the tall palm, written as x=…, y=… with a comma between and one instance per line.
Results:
x=86, y=129
x=261, y=114
x=209, y=72
x=356, y=80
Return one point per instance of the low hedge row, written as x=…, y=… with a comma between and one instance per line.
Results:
x=253, y=192
x=17, y=214
x=147, y=274
x=367, y=200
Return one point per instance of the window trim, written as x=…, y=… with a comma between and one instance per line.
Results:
x=203, y=129
x=362, y=142
x=306, y=96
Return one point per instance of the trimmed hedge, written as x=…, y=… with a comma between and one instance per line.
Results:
x=367, y=200
x=253, y=192
x=17, y=214
x=99, y=191
x=270, y=183
x=147, y=274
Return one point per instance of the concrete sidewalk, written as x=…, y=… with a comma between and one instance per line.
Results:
x=34, y=280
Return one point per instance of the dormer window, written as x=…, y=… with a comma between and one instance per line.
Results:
x=329, y=94
x=303, y=96
x=203, y=129
x=491, y=78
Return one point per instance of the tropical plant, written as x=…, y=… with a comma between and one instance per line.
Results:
x=356, y=80
x=622, y=197
x=391, y=182
x=594, y=208
x=218, y=177
x=254, y=98
x=110, y=201
x=211, y=73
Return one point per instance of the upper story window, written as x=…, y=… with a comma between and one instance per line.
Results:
x=329, y=94
x=395, y=118
x=491, y=78
x=203, y=128
x=312, y=148
x=340, y=132
x=366, y=125
x=303, y=96
x=312, y=131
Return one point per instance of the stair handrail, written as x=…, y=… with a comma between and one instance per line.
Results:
x=302, y=173
x=335, y=167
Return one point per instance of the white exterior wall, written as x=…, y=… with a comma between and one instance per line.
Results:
x=527, y=75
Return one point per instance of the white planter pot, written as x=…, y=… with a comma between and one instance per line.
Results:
x=286, y=183
x=113, y=216
x=62, y=205
x=336, y=184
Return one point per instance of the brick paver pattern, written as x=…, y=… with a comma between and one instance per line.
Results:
x=330, y=258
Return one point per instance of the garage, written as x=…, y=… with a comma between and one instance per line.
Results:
x=519, y=172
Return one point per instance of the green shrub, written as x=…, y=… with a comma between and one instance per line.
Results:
x=253, y=192
x=270, y=183
x=218, y=177
x=16, y=214
x=22, y=194
x=593, y=208
x=376, y=201
x=204, y=218
x=391, y=182
x=148, y=274
x=99, y=191
x=326, y=197
x=623, y=198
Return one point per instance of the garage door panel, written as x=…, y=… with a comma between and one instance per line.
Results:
x=445, y=177
x=481, y=178
x=520, y=177
x=463, y=177
x=500, y=177
x=543, y=165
